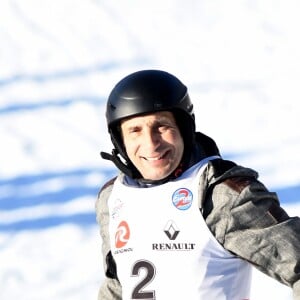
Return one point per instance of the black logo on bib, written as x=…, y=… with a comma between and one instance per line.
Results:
x=171, y=230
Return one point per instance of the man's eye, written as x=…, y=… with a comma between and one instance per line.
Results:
x=134, y=130
x=163, y=128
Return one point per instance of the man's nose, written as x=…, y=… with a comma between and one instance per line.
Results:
x=151, y=138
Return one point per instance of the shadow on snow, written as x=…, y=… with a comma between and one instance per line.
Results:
x=24, y=192
x=17, y=197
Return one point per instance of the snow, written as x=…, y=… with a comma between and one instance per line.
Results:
x=60, y=59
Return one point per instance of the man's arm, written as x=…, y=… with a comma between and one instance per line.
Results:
x=110, y=288
x=248, y=221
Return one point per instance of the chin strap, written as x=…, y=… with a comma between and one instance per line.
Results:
x=118, y=162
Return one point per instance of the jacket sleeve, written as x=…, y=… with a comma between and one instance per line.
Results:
x=110, y=288
x=248, y=221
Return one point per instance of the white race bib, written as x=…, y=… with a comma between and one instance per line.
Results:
x=163, y=248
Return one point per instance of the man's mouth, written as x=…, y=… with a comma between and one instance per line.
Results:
x=155, y=158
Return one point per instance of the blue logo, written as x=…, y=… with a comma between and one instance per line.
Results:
x=182, y=199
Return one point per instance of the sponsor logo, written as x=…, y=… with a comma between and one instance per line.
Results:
x=122, y=235
x=182, y=199
x=118, y=205
x=173, y=246
x=171, y=230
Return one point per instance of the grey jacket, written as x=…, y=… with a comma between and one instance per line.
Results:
x=244, y=217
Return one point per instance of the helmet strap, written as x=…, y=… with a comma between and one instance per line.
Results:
x=114, y=157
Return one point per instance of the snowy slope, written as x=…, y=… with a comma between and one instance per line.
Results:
x=58, y=62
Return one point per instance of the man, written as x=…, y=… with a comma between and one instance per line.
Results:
x=179, y=222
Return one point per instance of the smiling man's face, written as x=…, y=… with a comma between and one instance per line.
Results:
x=153, y=143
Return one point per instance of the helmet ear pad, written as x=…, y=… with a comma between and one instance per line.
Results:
x=117, y=140
x=186, y=125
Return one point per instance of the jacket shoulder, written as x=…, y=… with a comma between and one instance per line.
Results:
x=108, y=184
x=231, y=173
x=226, y=177
x=221, y=166
x=103, y=195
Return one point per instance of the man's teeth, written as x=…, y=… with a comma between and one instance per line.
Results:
x=153, y=158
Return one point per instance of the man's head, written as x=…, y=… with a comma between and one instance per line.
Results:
x=150, y=94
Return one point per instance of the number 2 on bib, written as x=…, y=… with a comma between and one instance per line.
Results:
x=149, y=269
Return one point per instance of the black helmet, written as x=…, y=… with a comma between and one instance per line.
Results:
x=144, y=92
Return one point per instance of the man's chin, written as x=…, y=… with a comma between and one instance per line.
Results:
x=157, y=175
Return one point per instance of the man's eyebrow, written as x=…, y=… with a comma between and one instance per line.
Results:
x=163, y=120
x=160, y=120
x=129, y=127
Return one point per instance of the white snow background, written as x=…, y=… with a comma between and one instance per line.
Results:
x=59, y=59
